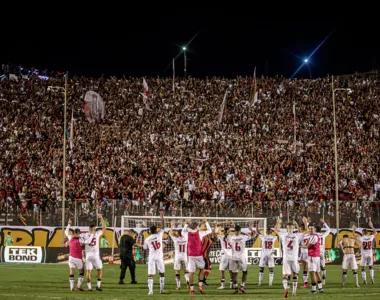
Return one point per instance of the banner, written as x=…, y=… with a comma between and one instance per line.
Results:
x=52, y=236
x=25, y=254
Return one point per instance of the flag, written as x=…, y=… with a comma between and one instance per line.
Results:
x=222, y=108
x=72, y=131
x=146, y=88
x=173, y=76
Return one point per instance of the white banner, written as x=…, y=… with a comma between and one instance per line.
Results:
x=24, y=254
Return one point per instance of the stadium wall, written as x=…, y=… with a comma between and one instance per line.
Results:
x=52, y=236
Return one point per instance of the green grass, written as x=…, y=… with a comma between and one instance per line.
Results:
x=50, y=281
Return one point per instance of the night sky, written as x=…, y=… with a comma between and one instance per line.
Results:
x=231, y=42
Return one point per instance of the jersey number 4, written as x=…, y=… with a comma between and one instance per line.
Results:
x=156, y=245
x=290, y=245
x=93, y=242
x=367, y=245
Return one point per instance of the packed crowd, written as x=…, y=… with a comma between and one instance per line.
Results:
x=171, y=152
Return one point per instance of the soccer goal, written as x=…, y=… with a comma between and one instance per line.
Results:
x=140, y=226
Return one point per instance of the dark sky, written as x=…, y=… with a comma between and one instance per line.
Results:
x=231, y=41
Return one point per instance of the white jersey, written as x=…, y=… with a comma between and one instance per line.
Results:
x=267, y=244
x=180, y=245
x=238, y=246
x=304, y=242
x=367, y=244
x=322, y=237
x=154, y=244
x=225, y=245
x=290, y=245
x=92, y=248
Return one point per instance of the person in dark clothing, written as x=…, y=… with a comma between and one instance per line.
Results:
x=127, y=243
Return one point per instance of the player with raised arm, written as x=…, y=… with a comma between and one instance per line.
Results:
x=194, y=251
x=226, y=255
x=290, y=246
x=75, y=256
x=366, y=241
x=267, y=255
x=93, y=259
x=314, y=263
x=347, y=244
x=304, y=255
x=180, y=255
x=239, y=258
x=322, y=239
x=156, y=255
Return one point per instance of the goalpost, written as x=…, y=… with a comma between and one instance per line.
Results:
x=140, y=226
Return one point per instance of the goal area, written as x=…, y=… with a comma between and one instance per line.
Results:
x=140, y=226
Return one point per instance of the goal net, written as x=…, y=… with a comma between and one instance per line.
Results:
x=140, y=226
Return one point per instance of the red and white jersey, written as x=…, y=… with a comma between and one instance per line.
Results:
x=75, y=244
x=290, y=245
x=92, y=247
x=180, y=245
x=315, y=248
x=154, y=244
x=225, y=245
x=238, y=245
x=322, y=237
x=367, y=244
x=267, y=244
x=304, y=242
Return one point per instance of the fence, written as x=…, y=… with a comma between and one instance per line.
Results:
x=84, y=212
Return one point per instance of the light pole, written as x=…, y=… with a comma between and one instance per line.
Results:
x=185, y=60
x=336, y=157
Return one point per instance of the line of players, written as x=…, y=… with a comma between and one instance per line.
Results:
x=194, y=241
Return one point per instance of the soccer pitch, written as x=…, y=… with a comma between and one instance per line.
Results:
x=50, y=281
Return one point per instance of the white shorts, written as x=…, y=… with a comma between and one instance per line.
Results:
x=196, y=262
x=314, y=264
x=323, y=259
x=180, y=260
x=225, y=262
x=75, y=263
x=304, y=255
x=290, y=267
x=93, y=262
x=367, y=260
x=349, y=261
x=236, y=264
x=154, y=264
x=267, y=260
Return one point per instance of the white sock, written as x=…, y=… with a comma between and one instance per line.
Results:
x=271, y=276
x=314, y=287
x=178, y=281
x=323, y=274
x=150, y=285
x=187, y=277
x=344, y=278
x=364, y=276
x=242, y=284
x=356, y=278
x=231, y=284
x=222, y=283
x=294, y=285
x=89, y=285
x=320, y=286
x=285, y=283
x=305, y=278
x=200, y=283
x=162, y=283
x=261, y=276
x=80, y=280
x=98, y=283
x=71, y=280
x=372, y=273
